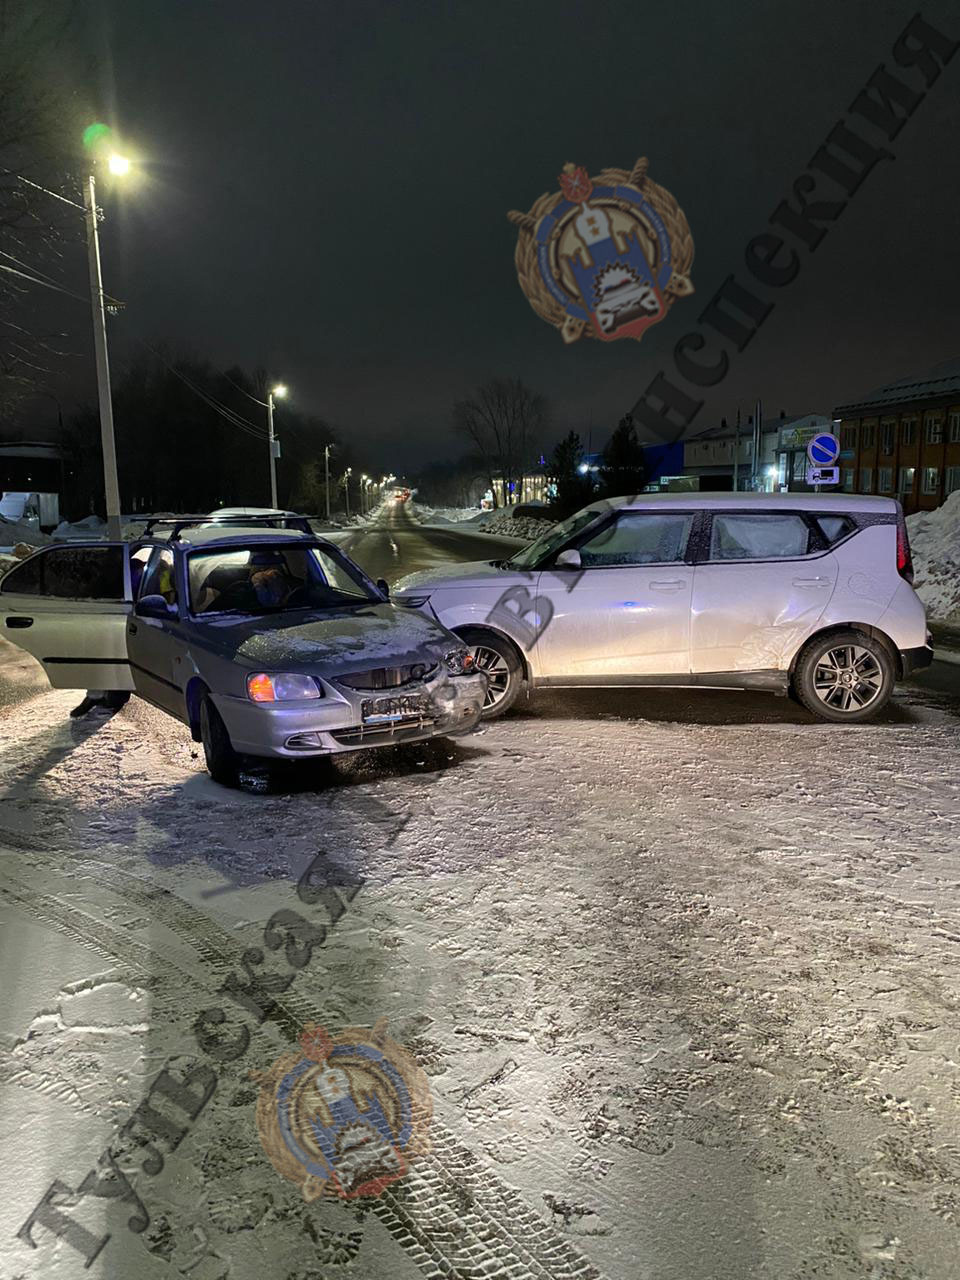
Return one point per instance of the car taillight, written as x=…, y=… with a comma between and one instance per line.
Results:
x=904, y=559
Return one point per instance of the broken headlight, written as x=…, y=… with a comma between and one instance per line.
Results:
x=459, y=662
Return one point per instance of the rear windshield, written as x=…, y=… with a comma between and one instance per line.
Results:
x=269, y=579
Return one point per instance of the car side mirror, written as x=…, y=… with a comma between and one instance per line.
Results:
x=569, y=559
x=383, y=586
x=155, y=607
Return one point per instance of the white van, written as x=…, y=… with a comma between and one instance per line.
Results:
x=809, y=593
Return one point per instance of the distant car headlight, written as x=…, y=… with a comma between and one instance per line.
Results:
x=413, y=602
x=281, y=688
x=459, y=662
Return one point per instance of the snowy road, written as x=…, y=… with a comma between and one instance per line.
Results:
x=683, y=974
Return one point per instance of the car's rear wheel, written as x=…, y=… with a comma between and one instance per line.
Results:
x=221, y=759
x=499, y=662
x=845, y=677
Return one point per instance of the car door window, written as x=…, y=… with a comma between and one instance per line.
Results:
x=764, y=536
x=158, y=578
x=71, y=573
x=638, y=538
x=138, y=562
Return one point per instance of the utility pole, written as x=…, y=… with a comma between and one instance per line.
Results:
x=346, y=490
x=326, y=478
x=111, y=483
x=273, y=443
x=757, y=444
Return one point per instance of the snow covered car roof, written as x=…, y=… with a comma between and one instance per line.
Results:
x=230, y=535
x=718, y=501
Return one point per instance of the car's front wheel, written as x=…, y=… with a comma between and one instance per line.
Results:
x=498, y=660
x=221, y=759
x=845, y=677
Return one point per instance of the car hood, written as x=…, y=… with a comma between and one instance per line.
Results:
x=475, y=574
x=338, y=640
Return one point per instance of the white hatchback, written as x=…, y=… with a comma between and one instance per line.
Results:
x=803, y=593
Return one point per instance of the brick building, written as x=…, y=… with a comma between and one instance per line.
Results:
x=903, y=440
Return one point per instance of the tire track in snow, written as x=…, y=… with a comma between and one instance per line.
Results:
x=448, y=1214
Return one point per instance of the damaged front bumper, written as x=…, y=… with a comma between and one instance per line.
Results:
x=345, y=720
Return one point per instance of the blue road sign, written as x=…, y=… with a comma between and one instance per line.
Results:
x=823, y=449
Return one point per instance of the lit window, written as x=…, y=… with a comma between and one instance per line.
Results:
x=934, y=430
x=906, y=479
x=931, y=479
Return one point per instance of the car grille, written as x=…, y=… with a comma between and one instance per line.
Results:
x=372, y=734
x=388, y=677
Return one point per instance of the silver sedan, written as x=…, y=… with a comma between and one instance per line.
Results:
x=266, y=643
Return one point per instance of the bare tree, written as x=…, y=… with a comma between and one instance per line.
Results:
x=39, y=138
x=503, y=419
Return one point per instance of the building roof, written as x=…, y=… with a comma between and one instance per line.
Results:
x=746, y=428
x=942, y=381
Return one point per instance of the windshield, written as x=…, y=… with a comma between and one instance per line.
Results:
x=550, y=542
x=269, y=579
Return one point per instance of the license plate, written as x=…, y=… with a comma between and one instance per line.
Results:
x=384, y=710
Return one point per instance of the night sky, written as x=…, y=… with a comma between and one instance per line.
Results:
x=325, y=189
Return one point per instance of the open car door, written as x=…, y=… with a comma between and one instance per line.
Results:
x=68, y=605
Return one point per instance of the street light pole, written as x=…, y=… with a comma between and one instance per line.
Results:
x=346, y=490
x=270, y=446
x=326, y=478
x=279, y=391
x=111, y=482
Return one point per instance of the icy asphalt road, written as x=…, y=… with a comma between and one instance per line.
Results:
x=683, y=974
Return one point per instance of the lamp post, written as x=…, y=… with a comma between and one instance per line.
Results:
x=119, y=166
x=326, y=477
x=363, y=494
x=279, y=391
x=346, y=489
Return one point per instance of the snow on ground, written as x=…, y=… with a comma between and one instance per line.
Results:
x=935, y=544
x=13, y=532
x=685, y=981
x=501, y=521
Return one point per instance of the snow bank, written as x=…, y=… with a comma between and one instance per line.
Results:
x=13, y=532
x=935, y=543
x=447, y=515
x=504, y=522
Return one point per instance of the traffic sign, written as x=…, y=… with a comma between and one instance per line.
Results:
x=823, y=475
x=823, y=449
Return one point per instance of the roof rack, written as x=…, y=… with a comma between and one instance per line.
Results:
x=178, y=523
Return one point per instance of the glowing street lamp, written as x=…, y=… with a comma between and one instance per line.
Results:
x=94, y=140
x=276, y=392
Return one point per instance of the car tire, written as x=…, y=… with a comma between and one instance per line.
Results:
x=221, y=759
x=498, y=660
x=845, y=677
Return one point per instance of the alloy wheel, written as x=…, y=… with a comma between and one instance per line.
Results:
x=494, y=667
x=847, y=678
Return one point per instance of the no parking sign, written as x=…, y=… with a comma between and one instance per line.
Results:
x=823, y=450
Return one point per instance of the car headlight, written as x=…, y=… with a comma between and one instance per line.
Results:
x=284, y=687
x=413, y=602
x=459, y=661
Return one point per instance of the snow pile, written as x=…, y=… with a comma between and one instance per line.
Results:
x=504, y=522
x=446, y=515
x=13, y=532
x=88, y=527
x=935, y=544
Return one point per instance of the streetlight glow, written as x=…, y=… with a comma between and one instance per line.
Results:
x=118, y=165
x=279, y=390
